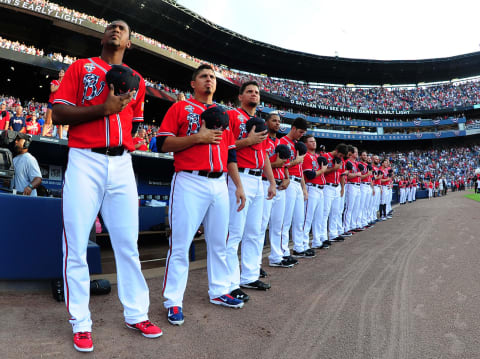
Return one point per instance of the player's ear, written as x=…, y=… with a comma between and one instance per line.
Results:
x=129, y=44
x=192, y=84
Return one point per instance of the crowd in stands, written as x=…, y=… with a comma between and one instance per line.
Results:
x=31, y=50
x=455, y=164
x=373, y=98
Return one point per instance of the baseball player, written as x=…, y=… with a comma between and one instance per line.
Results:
x=296, y=193
x=54, y=86
x=402, y=185
x=99, y=177
x=252, y=162
x=352, y=195
x=366, y=190
x=274, y=210
x=377, y=176
x=314, y=167
x=385, y=183
x=199, y=192
x=332, y=193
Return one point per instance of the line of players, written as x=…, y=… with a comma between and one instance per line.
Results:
x=240, y=180
x=408, y=189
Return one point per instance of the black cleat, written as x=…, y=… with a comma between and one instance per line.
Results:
x=240, y=294
x=258, y=284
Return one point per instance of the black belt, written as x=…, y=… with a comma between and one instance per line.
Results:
x=251, y=171
x=109, y=151
x=356, y=184
x=296, y=179
x=332, y=184
x=206, y=174
x=277, y=181
x=319, y=186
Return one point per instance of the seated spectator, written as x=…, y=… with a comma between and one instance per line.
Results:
x=33, y=127
x=140, y=141
x=17, y=122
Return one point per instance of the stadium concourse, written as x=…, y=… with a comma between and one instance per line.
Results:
x=406, y=288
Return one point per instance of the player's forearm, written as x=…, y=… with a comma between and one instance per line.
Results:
x=267, y=170
x=244, y=142
x=177, y=144
x=331, y=169
x=278, y=163
x=36, y=182
x=74, y=115
x=233, y=174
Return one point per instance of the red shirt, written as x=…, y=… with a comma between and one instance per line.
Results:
x=375, y=181
x=367, y=179
x=297, y=169
x=310, y=163
x=183, y=119
x=385, y=176
x=84, y=84
x=35, y=130
x=271, y=144
x=137, y=140
x=353, y=170
x=52, y=94
x=4, y=117
x=334, y=176
x=250, y=156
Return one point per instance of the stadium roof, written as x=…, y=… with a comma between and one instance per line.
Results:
x=176, y=26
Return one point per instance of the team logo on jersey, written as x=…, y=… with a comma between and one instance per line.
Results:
x=90, y=88
x=243, y=131
x=189, y=108
x=193, y=123
x=242, y=118
x=315, y=165
x=89, y=67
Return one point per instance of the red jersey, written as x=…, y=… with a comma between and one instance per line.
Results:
x=353, y=170
x=52, y=94
x=84, y=84
x=367, y=179
x=271, y=144
x=183, y=119
x=250, y=156
x=334, y=176
x=385, y=176
x=34, y=128
x=376, y=182
x=137, y=140
x=4, y=117
x=297, y=169
x=310, y=163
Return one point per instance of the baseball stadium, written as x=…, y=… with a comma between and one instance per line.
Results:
x=155, y=162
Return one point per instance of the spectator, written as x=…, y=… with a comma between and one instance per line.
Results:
x=139, y=141
x=17, y=122
x=4, y=117
x=33, y=127
x=27, y=175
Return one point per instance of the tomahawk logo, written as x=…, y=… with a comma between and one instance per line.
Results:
x=243, y=131
x=90, y=89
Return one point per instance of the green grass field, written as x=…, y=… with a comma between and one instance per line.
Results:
x=475, y=197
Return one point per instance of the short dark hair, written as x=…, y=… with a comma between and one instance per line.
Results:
x=306, y=137
x=248, y=83
x=200, y=68
x=300, y=123
x=126, y=23
x=342, y=148
x=350, y=148
x=271, y=114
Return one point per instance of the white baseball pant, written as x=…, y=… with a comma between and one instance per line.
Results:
x=340, y=210
x=313, y=217
x=365, y=203
x=245, y=226
x=294, y=216
x=352, y=200
x=93, y=183
x=403, y=195
x=195, y=200
x=414, y=193
x=376, y=202
x=273, y=211
x=389, y=199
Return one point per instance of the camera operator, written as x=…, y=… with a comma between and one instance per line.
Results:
x=27, y=172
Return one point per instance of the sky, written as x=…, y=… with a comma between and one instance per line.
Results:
x=362, y=29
